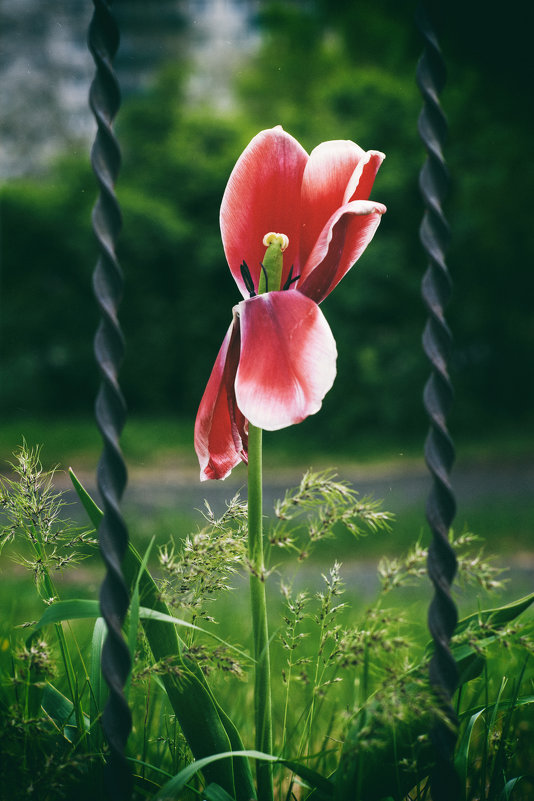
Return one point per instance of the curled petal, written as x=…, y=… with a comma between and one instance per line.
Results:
x=220, y=428
x=329, y=171
x=262, y=195
x=362, y=179
x=340, y=244
x=288, y=359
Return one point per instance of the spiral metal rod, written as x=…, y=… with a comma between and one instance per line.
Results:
x=438, y=395
x=104, y=99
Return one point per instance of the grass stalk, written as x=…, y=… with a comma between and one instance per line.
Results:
x=50, y=591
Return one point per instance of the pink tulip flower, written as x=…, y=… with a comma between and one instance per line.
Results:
x=278, y=359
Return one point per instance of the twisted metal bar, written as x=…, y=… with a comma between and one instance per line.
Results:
x=438, y=395
x=104, y=99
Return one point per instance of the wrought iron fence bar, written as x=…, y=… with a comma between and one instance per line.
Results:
x=110, y=410
x=437, y=397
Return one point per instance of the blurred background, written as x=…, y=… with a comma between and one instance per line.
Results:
x=199, y=79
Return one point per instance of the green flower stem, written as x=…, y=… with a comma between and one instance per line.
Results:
x=262, y=679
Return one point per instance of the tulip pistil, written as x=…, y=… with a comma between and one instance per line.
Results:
x=280, y=239
x=272, y=261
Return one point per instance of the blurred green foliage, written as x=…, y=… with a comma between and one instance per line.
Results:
x=323, y=71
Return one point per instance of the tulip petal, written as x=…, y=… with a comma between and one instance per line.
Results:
x=340, y=244
x=324, y=187
x=262, y=195
x=220, y=428
x=288, y=359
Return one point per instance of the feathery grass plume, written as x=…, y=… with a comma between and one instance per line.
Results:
x=201, y=567
x=34, y=513
x=379, y=649
x=319, y=503
x=321, y=673
x=33, y=510
x=474, y=568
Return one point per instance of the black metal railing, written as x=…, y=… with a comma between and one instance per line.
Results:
x=438, y=395
x=110, y=406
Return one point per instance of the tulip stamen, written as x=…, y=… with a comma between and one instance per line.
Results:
x=247, y=278
x=290, y=280
x=265, y=275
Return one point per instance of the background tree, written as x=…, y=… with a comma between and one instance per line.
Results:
x=322, y=71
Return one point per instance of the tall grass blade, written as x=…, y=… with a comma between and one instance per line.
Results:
x=62, y=712
x=134, y=615
x=82, y=608
x=324, y=789
x=496, y=618
x=97, y=685
x=94, y=513
x=215, y=793
x=462, y=759
x=510, y=786
x=498, y=773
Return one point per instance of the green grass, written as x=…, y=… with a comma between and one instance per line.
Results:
x=389, y=632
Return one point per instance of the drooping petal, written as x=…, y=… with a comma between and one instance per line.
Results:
x=220, y=428
x=288, y=359
x=340, y=244
x=262, y=195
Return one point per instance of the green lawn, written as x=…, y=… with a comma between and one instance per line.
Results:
x=151, y=441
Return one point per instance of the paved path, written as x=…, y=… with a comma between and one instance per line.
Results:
x=399, y=485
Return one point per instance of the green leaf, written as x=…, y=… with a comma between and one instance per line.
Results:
x=509, y=787
x=215, y=793
x=523, y=700
x=463, y=748
x=496, y=618
x=72, y=609
x=134, y=614
x=80, y=608
x=61, y=710
x=94, y=512
x=469, y=661
x=174, y=787
x=97, y=685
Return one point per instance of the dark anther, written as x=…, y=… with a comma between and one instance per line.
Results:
x=247, y=278
x=290, y=280
x=266, y=277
